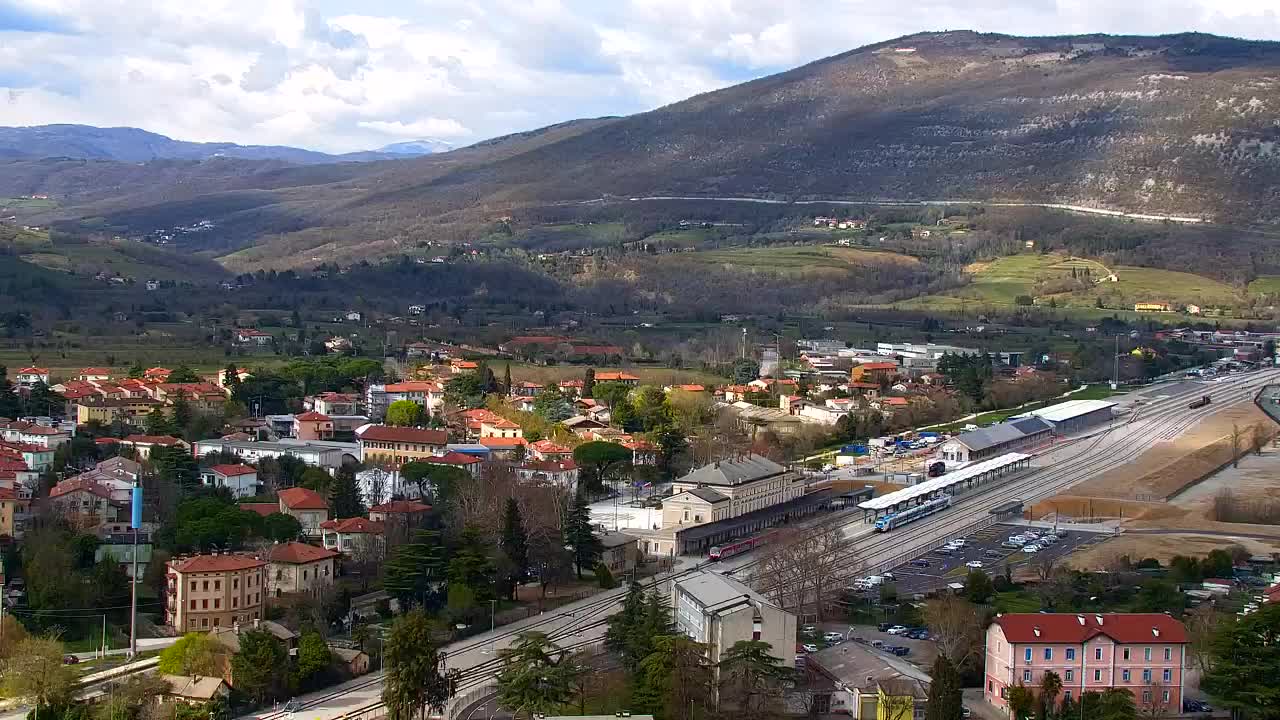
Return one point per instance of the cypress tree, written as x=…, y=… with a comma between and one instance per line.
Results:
x=345, y=501
x=515, y=545
x=945, y=700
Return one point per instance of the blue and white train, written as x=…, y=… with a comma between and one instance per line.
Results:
x=902, y=517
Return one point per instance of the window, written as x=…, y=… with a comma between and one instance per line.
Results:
x=1048, y=654
x=193, y=604
x=217, y=603
x=1027, y=655
x=216, y=621
x=204, y=585
x=235, y=583
x=1146, y=697
x=217, y=584
x=1071, y=654
x=1125, y=676
x=1164, y=696
x=1126, y=653
x=1071, y=676
x=193, y=584
x=1167, y=676
x=204, y=604
x=1168, y=654
x=1097, y=653
x=990, y=687
x=1066, y=695
x=1146, y=675
x=1146, y=654
x=204, y=622
x=1097, y=676
x=235, y=602
x=1026, y=676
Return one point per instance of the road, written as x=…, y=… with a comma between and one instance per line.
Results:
x=1159, y=414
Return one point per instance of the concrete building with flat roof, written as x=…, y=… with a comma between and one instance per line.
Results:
x=719, y=611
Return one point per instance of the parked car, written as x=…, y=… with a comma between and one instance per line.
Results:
x=1010, y=544
x=965, y=712
x=809, y=629
x=833, y=637
x=994, y=553
x=901, y=651
x=920, y=634
x=897, y=630
x=70, y=660
x=976, y=564
x=1030, y=549
x=919, y=563
x=1060, y=533
x=810, y=648
x=958, y=542
x=878, y=644
x=884, y=627
x=943, y=551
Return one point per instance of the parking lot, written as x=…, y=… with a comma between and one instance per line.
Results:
x=934, y=570
x=920, y=652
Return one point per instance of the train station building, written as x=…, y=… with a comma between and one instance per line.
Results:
x=953, y=483
x=1075, y=415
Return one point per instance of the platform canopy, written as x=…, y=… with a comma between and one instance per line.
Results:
x=944, y=483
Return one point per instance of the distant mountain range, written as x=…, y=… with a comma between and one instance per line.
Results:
x=1179, y=125
x=126, y=144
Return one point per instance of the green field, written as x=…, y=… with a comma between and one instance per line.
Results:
x=1265, y=285
x=26, y=204
x=128, y=258
x=800, y=259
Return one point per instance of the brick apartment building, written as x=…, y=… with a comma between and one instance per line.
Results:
x=1144, y=653
x=209, y=591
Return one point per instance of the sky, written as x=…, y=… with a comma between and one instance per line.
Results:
x=341, y=75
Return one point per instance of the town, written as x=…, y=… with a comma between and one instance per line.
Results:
x=293, y=530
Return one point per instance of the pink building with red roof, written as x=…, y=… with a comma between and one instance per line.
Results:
x=1144, y=653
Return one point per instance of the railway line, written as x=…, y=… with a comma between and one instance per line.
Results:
x=1059, y=467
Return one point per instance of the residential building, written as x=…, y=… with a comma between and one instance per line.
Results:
x=549, y=450
x=312, y=425
x=308, y=506
x=619, y=377
x=332, y=403
x=15, y=510
x=874, y=371
x=729, y=488
x=37, y=458
x=560, y=473
x=299, y=568
x=352, y=535
x=619, y=552
x=129, y=411
x=91, y=374
x=502, y=447
x=24, y=432
x=718, y=611
x=996, y=440
x=462, y=367
x=428, y=394
x=464, y=461
x=241, y=480
x=857, y=674
x=581, y=424
x=250, y=336
x=404, y=512
x=526, y=389
x=1152, y=307
x=86, y=502
x=1144, y=653
x=193, y=689
x=384, y=444
x=328, y=454
x=144, y=444
x=29, y=377
x=355, y=662
x=210, y=591
x=500, y=428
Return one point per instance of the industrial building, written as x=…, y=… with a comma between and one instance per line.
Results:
x=996, y=440
x=1075, y=415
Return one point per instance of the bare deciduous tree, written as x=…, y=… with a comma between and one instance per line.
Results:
x=956, y=627
x=1237, y=439
x=1201, y=624
x=800, y=568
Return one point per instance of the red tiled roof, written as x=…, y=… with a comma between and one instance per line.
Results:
x=263, y=509
x=216, y=563
x=502, y=423
x=878, y=366
x=353, y=525
x=862, y=386
x=106, y=441
x=300, y=498
x=165, y=440
x=1076, y=629
x=614, y=376
x=79, y=485
x=465, y=364
x=387, y=433
x=297, y=553
x=454, y=458
x=900, y=401
x=33, y=371
x=78, y=393
x=233, y=470
x=596, y=350
x=413, y=386
x=690, y=388
x=400, y=506
x=549, y=446
x=312, y=416
x=41, y=430
x=501, y=443
x=95, y=371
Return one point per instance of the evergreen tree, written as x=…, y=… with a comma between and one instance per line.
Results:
x=259, y=665
x=158, y=423
x=579, y=535
x=945, y=701
x=515, y=546
x=43, y=401
x=588, y=382
x=471, y=566
x=752, y=680
x=10, y=405
x=414, y=684
x=345, y=500
x=674, y=682
x=625, y=624
x=231, y=378
x=506, y=380
x=182, y=416
x=136, y=370
x=537, y=676
x=417, y=569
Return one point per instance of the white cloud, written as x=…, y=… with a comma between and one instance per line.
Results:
x=340, y=75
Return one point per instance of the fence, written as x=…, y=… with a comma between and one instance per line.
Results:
x=458, y=703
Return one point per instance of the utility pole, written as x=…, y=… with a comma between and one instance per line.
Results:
x=1115, y=365
x=135, y=521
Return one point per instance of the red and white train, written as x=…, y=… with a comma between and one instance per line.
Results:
x=719, y=552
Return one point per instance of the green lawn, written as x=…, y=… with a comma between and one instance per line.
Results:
x=1265, y=285
x=1016, y=601
x=27, y=204
x=800, y=259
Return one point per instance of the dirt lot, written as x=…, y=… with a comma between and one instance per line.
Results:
x=1161, y=547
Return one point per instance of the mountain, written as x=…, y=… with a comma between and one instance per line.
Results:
x=1179, y=124
x=416, y=147
x=126, y=144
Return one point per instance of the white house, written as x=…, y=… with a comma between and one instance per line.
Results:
x=241, y=480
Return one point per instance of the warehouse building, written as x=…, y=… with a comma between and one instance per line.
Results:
x=996, y=440
x=1075, y=415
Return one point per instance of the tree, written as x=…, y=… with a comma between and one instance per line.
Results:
x=464, y=391
x=675, y=680
x=1050, y=687
x=752, y=680
x=551, y=406
x=506, y=380
x=158, y=423
x=600, y=462
x=416, y=569
x=345, y=500
x=589, y=382
x=471, y=566
x=956, y=627
x=624, y=635
x=946, y=701
x=1202, y=624
x=978, y=586
x=799, y=567
x=515, y=548
x=671, y=442
x=193, y=654
x=440, y=483
x=259, y=666
x=313, y=656
x=1022, y=702
x=536, y=676
x=579, y=535
x=279, y=527
x=745, y=370
x=35, y=673
x=231, y=378
x=183, y=374
x=413, y=684
x=1245, y=664
x=610, y=393
x=10, y=404
x=404, y=413
x=604, y=578
x=182, y=416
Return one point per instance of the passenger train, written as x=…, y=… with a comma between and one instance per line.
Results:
x=902, y=517
x=720, y=552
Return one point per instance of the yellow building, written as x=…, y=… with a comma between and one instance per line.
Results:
x=384, y=444
x=13, y=513
x=1152, y=307
x=900, y=698
x=130, y=411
